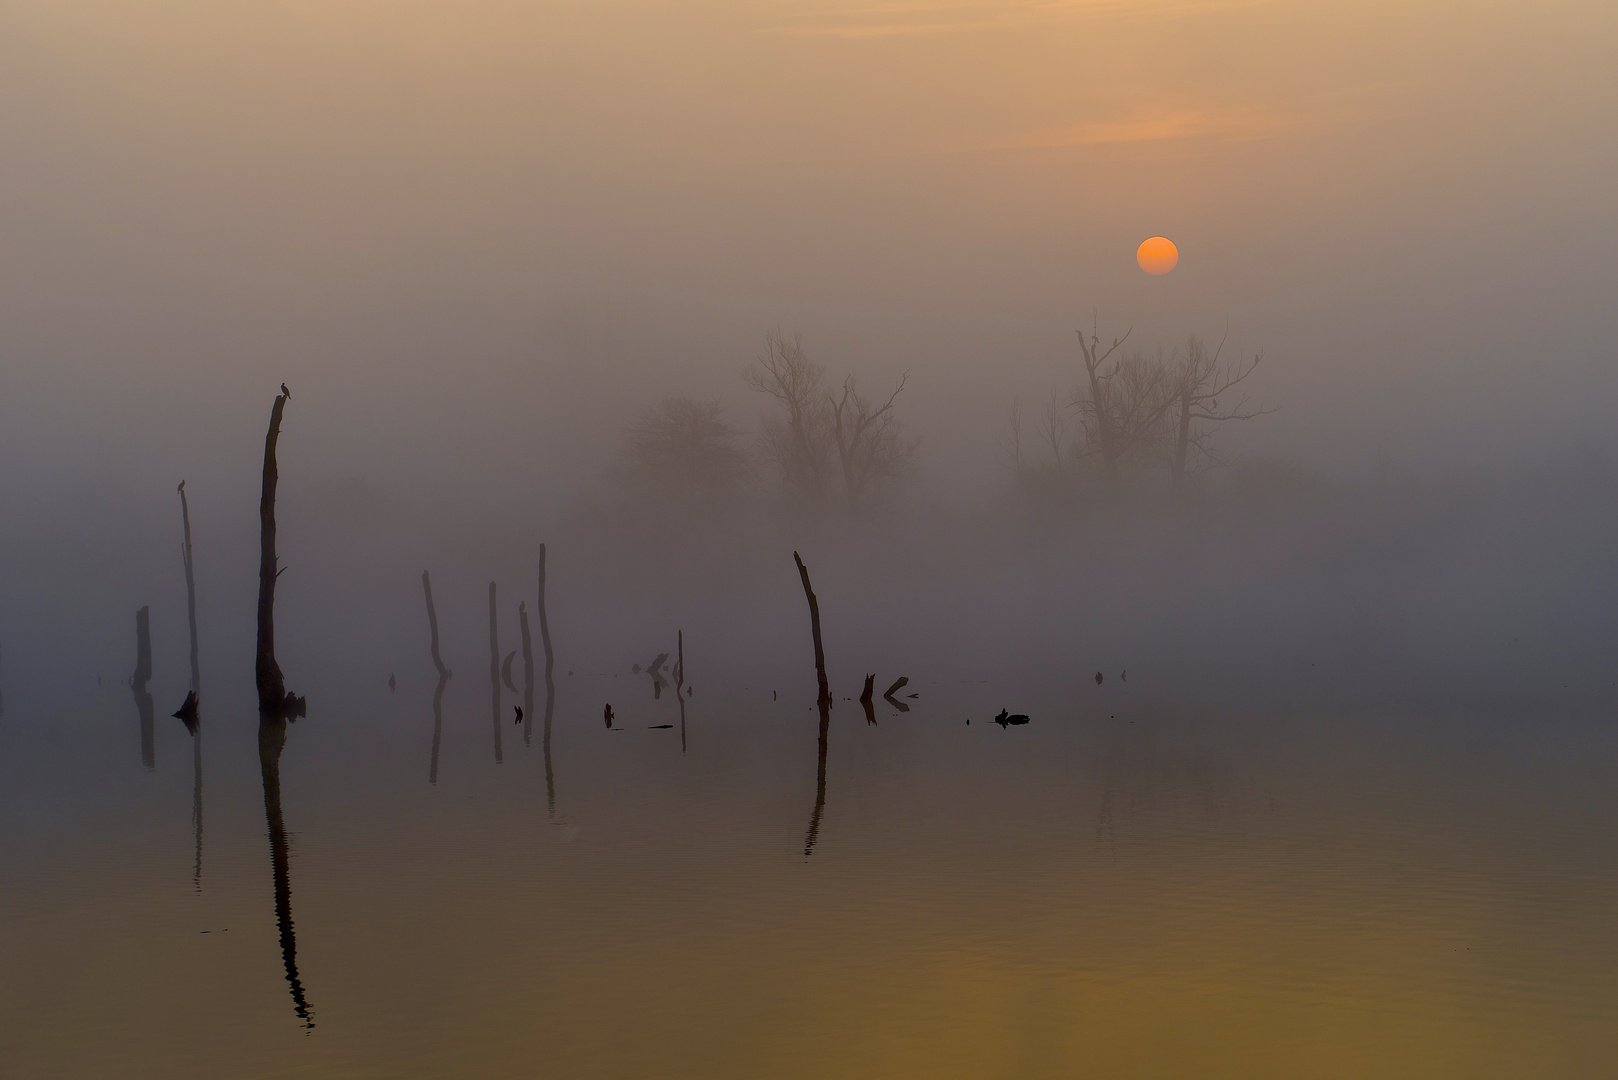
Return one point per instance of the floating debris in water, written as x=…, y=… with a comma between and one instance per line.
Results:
x=1098, y=678
x=657, y=727
x=1009, y=719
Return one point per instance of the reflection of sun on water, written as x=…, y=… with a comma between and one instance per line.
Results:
x=1157, y=255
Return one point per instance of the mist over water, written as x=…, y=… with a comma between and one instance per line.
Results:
x=1316, y=777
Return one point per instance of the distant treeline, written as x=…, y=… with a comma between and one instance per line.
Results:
x=1132, y=417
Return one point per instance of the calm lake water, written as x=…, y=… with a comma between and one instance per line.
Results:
x=1117, y=888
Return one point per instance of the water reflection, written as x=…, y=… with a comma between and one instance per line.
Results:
x=545, y=739
x=820, y=780
x=272, y=739
x=443, y=677
x=656, y=671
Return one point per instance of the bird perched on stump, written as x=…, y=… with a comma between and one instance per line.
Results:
x=285, y=392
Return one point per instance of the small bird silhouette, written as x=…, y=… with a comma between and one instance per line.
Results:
x=606, y=714
x=1098, y=678
x=285, y=392
x=518, y=720
x=392, y=682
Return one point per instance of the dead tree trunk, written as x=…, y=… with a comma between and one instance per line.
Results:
x=143, y=648
x=143, y=675
x=190, y=593
x=271, y=684
x=432, y=624
x=527, y=675
x=814, y=626
x=865, y=699
x=545, y=625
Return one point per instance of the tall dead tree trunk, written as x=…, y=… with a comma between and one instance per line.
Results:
x=273, y=699
x=271, y=683
x=814, y=626
x=190, y=593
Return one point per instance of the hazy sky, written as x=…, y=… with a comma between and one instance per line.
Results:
x=474, y=235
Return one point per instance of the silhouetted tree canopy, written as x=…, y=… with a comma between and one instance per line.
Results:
x=686, y=451
x=822, y=443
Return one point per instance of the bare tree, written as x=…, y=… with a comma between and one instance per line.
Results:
x=1122, y=404
x=1199, y=380
x=872, y=448
x=798, y=443
x=1051, y=432
x=686, y=450
x=1011, y=443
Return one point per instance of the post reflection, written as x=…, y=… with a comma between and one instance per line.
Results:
x=443, y=676
x=272, y=739
x=438, y=724
x=820, y=779
x=550, y=775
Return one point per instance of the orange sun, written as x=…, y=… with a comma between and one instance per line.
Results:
x=1157, y=255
